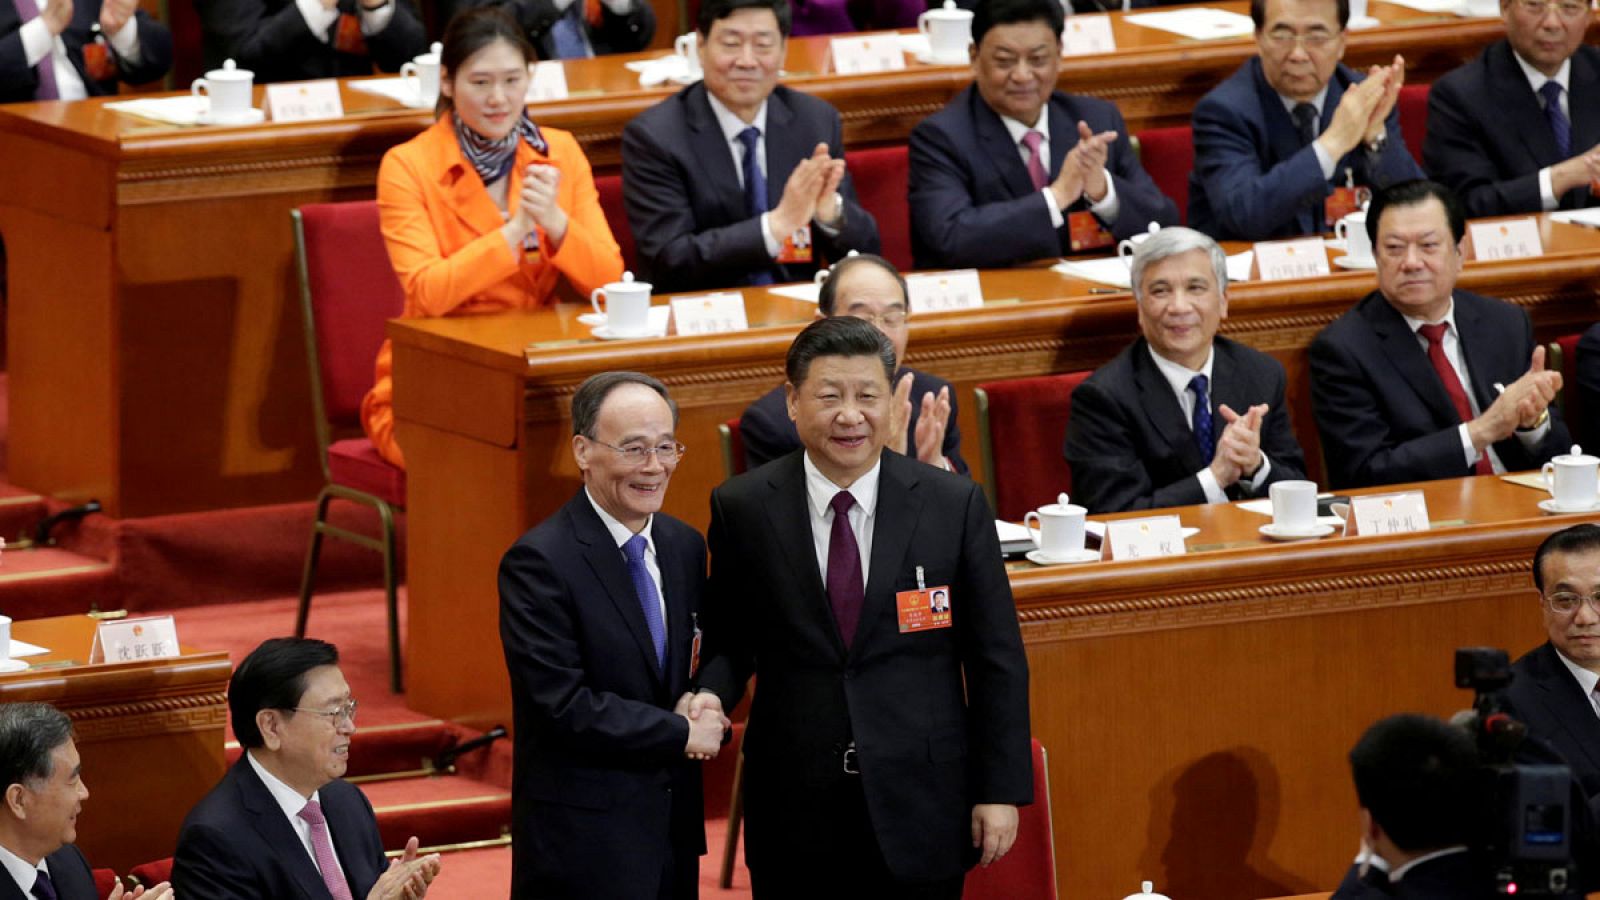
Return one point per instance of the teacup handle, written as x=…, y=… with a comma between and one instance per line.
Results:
x=1341, y=230
x=200, y=88
x=922, y=22
x=410, y=70
x=594, y=299
x=1547, y=473
x=1036, y=533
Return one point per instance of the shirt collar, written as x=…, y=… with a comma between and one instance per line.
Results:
x=287, y=798
x=620, y=532
x=820, y=490
x=1317, y=101
x=1536, y=78
x=1017, y=129
x=731, y=124
x=1178, y=375
x=21, y=871
x=1449, y=318
x=1586, y=679
x=1400, y=871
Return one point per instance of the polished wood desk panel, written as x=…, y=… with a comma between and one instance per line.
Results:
x=150, y=733
x=152, y=287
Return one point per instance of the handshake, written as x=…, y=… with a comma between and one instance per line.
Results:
x=708, y=726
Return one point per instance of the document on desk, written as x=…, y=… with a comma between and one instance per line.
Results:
x=184, y=110
x=1431, y=6
x=1589, y=216
x=1113, y=270
x=23, y=648
x=806, y=290
x=1202, y=23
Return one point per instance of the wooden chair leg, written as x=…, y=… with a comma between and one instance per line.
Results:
x=730, y=843
x=308, y=577
x=396, y=681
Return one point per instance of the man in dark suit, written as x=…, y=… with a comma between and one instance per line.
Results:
x=575, y=29
x=1181, y=416
x=1274, y=142
x=924, y=422
x=599, y=619
x=883, y=757
x=282, y=822
x=1416, y=781
x=1586, y=428
x=290, y=40
x=1421, y=381
x=44, y=793
x=71, y=49
x=1494, y=135
x=1012, y=169
x=738, y=180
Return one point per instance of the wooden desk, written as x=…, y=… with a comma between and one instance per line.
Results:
x=151, y=280
x=150, y=734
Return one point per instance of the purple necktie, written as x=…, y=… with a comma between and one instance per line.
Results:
x=1036, y=172
x=1560, y=128
x=645, y=587
x=322, y=849
x=845, y=592
x=43, y=887
x=1203, y=438
x=26, y=11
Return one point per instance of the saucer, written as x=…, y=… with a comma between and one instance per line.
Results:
x=685, y=78
x=1551, y=506
x=592, y=319
x=604, y=333
x=928, y=59
x=1283, y=534
x=1345, y=262
x=1360, y=22
x=13, y=665
x=1038, y=557
x=251, y=117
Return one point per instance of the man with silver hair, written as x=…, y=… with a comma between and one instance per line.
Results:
x=1181, y=416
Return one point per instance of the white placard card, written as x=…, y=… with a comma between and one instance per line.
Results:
x=1084, y=35
x=1512, y=239
x=860, y=54
x=547, y=81
x=1389, y=513
x=304, y=101
x=129, y=640
x=1282, y=260
x=1146, y=537
x=710, y=313
x=940, y=291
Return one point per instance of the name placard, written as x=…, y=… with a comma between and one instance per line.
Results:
x=1389, y=513
x=860, y=54
x=710, y=313
x=1283, y=260
x=1084, y=35
x=940, y=291
x=1146, y=537
x=547, y=81
x=304, y=101
x=1513, y=239
x=129, y=640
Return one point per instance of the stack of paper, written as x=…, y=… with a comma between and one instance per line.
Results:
x=662, y=69
x=1589, y=217
x=184, y=110
x=1113, y=270
x=1202, y=23
x=400, y=90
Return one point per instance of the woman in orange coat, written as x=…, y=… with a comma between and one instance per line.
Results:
x=485, y=211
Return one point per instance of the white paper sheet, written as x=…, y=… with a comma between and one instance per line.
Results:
x=662, y=69
x=20, y=649
x=803, y=291
x=1202, y=23
x=400, y=90
x=183, y=110
x=1114, y=270
x=1431, y=6
x=1589, y=217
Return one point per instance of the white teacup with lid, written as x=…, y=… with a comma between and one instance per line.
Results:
x=1352, y=229
x=1059, y=534
x=949, y=32
x=1147, y=892
x=627, y=309
x=229, y=90
x=1573, y=480
x=421, y=76
x=1126, y=248
x=687, y=46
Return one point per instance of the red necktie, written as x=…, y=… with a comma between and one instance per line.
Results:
x=1452, y=384
x=1036, y=171
x=845, y=591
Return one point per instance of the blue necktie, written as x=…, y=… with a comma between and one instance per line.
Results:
x=649, y=600
x=1559, y=126
x=1202, y=419
x=755, y=190
x=567, y=35
x=43, y=888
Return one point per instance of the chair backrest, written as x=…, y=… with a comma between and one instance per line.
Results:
x=732, y=442
x=609, y=187
x=1413, y=105
x=881, y=176
x=1022, y=427
x=1168, y=155
x=153, y=873
x=1028, y=872
x=1562, y=356
x=104, y=881
x=348, y=290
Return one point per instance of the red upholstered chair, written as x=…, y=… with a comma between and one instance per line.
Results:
x=1168, y=155
x=1562, y=356
x=610, y=189
x=104, y=881
x=732, y=442
x=348, y=290
x=1022, y=427
x=881, y=175
x=151, y=874
x=1028, y=872
x=1413, y=105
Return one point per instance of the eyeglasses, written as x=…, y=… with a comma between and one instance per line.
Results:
x=1568, y=9
x=667, y=453
x=1566, y=603
x=1311, y=40
x=346, y=710
x=894, y=318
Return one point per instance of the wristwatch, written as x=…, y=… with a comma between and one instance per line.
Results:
x=1540, y=422
x=1377, y=142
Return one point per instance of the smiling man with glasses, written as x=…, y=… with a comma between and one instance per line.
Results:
x=1279, y=146
x=1516, y=129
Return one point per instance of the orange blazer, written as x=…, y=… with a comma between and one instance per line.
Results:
x=443, y=234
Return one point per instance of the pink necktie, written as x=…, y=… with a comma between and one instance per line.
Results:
x=26, y=10
x=322, y=849
x=1036, y=171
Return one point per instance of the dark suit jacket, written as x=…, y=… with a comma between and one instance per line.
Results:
x=1488, y=136
x=236, y=844
x=1452, y=877
x=1384, y=415
x=940, y=718
x=18, y=80
x=1130, y=446
x=686, y=206
x=972, y=203
x=1253, y=180
x=626, y=33
x=601, y=789
x=1587, y=429
x=271, y=39
x=1545, y=697
x=69, y=873
x=769, y=433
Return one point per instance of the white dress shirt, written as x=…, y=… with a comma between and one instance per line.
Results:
x=291, y=802
x=38, y=41
x=320, y=19
x=1178, y=378
x=1326, y=161
x=1586, y=679
x=1401, y=870
x=1536, y=80
x=621, y=534
x=21, y=871
x=1108, y=206
x=819, y=499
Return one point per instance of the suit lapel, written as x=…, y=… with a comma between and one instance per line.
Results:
x=999, y=148
x=785, y=149
x=1567, y=703
x=1478, y=350
x=719, y=176
x=609, y=567
x=9, y=889
x=790, y=517
x=899, y=506
x=1519, y=105
x=1410, y=362
x=268, y=821
x=675, y=579
x=1584, y=100
x=1161, y=408
x=462, y=187
x=344, y=823
x=1063, y=132
x=1282, y=136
